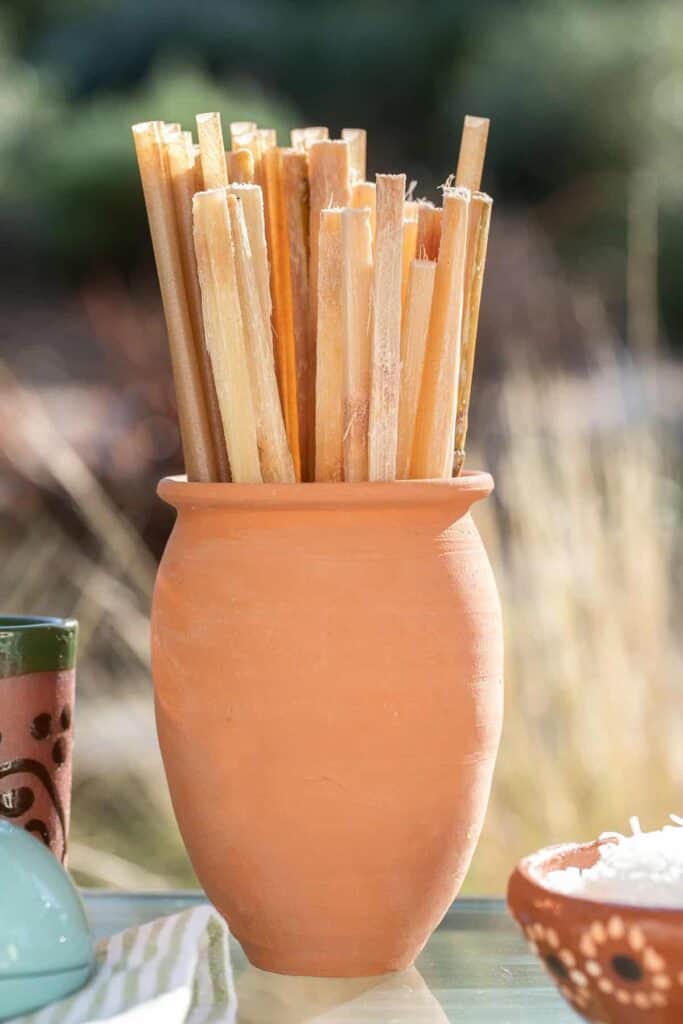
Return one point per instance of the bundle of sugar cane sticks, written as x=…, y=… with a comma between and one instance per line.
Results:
x=322, y=327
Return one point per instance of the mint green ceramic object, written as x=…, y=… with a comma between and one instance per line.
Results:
x=46, y=949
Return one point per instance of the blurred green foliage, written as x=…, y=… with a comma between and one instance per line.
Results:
x=581, y=96
x=67, y=166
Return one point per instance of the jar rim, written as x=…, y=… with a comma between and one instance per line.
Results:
x=470, y=486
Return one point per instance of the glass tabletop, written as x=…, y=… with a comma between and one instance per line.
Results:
x=476, y=969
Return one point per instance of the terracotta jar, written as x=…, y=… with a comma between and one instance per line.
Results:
x=328, y=669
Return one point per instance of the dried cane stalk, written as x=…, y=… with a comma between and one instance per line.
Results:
x=181, y=162
x=357, y=140
x=432, y=455
x=475, y=135
x=364, y=195
x=329, y=187
x=409, y=245
x=357, y=273
x=240, y=166
x=477, y=243
x=224, y=332
x=295, y=185
x=428, y=231
x=328, y=175
x=414, y=328
x=303, y=138
x=195, y=430
x=251, y=140
x=212, y=150
x=251, y=197
x=239, y=128
x=386, y=336
x=281, y=294
x=275, y=457
x=329, y=422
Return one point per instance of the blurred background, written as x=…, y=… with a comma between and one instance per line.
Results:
x=577, y=406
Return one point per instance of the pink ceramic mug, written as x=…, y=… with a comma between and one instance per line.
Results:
x=37, y=683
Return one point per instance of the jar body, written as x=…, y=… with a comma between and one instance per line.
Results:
x=329, y=701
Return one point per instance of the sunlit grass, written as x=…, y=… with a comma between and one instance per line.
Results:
x=585, y=538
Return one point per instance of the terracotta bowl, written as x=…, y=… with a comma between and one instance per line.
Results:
x=613, y=962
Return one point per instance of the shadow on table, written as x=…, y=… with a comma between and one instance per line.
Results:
x=402, y=998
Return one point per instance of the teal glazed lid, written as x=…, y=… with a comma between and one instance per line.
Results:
x=46, y=949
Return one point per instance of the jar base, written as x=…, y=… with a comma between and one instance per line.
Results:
x=316, y=964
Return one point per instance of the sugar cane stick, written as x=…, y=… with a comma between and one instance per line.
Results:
x=224, y=332
x=356, y=309
x=475, y=135
x=357, y=140
x=328, y=175
x=432, y=455
x=171, y=130
x=329, y=187
x=181, y=162
x=240, y=166
x=303, y=138
x=364, y=193
x=193, y=149
x=212, y=150
x=238, y=128
x=195, y=430
x=428, y=231
x=244, y=138
x=414, y=328
x=267, y=138
x=264, y=139
x=251, y=197
x=281, y=293
x=409, y=245
x=410, y=209
x=386, y=336
x=477, y=243
x=275, y=457
x=295, y=186
x=193, y=158
x=251, y=140
x=329, y=421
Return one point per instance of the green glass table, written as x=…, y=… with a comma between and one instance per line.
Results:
x=476, y=969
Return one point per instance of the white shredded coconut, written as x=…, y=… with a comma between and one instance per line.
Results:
x=644, y=869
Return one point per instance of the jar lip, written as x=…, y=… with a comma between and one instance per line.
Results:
x=470, y=486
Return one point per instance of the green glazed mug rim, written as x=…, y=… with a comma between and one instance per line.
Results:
x=36, y=643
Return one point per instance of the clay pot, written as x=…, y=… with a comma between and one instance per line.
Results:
x=37, y=682
x=328, y=669
x=614, y=963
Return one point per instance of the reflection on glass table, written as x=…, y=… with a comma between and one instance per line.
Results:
x=476, y=969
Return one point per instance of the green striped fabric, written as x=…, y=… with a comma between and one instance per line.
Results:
x=172, y=971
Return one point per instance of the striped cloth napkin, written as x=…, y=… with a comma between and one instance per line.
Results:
x=172, y=971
